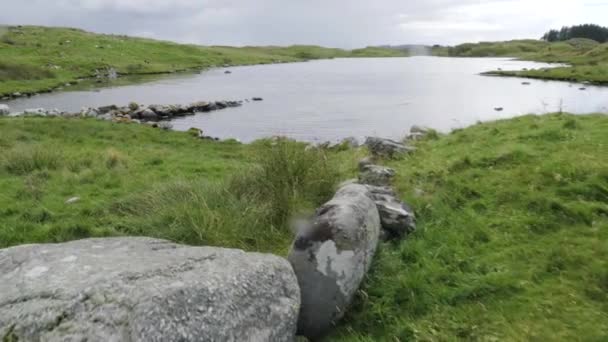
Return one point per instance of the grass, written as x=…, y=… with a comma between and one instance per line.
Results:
x=588, y=59
x=38, y=59
x=512, y=215
x=512, y=241
x=135, y=180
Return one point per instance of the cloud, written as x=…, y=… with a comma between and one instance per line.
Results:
x=341, y=23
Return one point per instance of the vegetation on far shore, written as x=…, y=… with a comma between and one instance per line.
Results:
x=587, y=59
x=36, y=59
x=512, y=240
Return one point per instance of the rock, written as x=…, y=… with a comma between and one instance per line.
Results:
x=419, y=129
x=87, y=111
x=416, y=136
x=386, y=147
x=106, y=109
x=4, y=109
x=142, y=289
x=165, y=125
x=160, y=110
x=396, y=217
x=17, y=94
x=257, y=99
x=106, y=117
x=148, y=115
x=376, y=175
x=133, y=106
x=365, y=162
x=72, y=200
x=499, y=109
x=53, y=112
x=332, y=256
x=199, y=107
x=34, y=112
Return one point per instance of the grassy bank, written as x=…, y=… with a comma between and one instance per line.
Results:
x=512, y=215
x=135, y=180
x=512, y=242
x=588, y=59
x=34, y=59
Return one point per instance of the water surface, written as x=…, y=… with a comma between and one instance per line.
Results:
x=332, y=99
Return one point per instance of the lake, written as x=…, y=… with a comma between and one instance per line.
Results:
x=327, y=100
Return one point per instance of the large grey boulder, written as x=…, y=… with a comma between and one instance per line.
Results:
x=4, y=109
x=386, y=147
x=331, y=257
x=142, y=289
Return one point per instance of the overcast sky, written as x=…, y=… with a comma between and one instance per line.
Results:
x=339, y=23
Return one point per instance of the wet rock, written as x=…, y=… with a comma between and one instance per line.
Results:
x=17, y=94
x=89, y=112
x=257, y=99
x=4, y=109
x=106, y=109
x=142, y=289
x=201, y=106
x=148, y=115
x=386, y=147
x=331, y=257
x=499, y=109
x=376, y=175
x=227, y=72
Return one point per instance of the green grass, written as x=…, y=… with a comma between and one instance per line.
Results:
x=35, y=59
x=512, y=242
x=135, y=180
x=588, y=59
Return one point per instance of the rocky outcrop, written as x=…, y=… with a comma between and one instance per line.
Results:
x=381, y=147
x=331, y=257
x=142, y=289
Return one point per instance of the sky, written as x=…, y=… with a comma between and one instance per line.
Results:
x=335, y=23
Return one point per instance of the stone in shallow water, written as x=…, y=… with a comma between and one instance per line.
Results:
x=142, y=289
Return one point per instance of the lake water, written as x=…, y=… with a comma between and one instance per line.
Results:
x=332, y=99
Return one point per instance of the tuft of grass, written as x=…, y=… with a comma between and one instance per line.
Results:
x=26, y=159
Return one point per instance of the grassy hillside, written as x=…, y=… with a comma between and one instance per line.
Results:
x=588, y=58
x=512, y=242
x=513, y=215
x=34, y=59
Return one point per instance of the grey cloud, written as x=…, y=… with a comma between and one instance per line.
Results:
x=341, y=23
